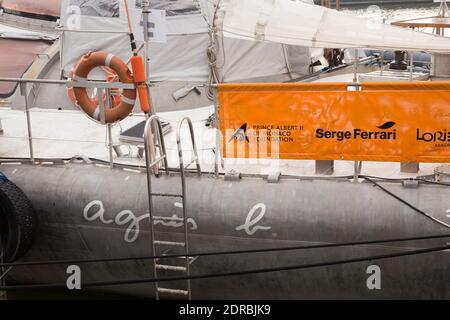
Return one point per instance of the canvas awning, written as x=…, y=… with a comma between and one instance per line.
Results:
x=50, y=8
x=16, y=56
x=299, y=23
x=16, y=33
x=185, y=56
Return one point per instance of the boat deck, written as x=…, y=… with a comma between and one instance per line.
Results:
x=65, y=134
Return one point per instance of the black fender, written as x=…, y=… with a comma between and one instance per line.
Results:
x=17, y=221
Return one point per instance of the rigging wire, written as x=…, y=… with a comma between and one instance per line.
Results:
x=217, y=253
x=230, y=274
x=407, y=203
x=211, y=54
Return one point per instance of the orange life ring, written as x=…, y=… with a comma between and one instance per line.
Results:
x=110, y=77
x=120, y=109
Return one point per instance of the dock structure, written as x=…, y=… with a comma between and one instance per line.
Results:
x=371, y=2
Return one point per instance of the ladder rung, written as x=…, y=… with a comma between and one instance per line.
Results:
x=191, y=162
x=168, y=219
x=191, y=259
x=168, y=195
x=173, y=291
x=170, y=268
x=170, y=243
x=157, y=161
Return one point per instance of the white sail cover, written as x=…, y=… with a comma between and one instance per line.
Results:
x=92, y=25
x=8, y=32
x=295, y=22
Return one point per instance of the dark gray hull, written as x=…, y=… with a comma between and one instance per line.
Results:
x=292, y=212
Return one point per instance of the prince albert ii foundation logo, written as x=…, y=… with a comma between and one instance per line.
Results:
x=240, y=134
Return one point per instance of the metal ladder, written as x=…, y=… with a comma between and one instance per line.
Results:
x=153, y=165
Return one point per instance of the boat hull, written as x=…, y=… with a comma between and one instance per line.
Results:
x=86, y=211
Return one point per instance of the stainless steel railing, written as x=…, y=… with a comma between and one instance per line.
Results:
x=101, y=86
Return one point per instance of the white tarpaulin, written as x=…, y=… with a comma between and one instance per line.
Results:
x=9, y=32
x=102, y=25
x=298, y=23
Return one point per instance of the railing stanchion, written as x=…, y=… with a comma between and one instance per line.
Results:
x=218, y=152
x=110, y=137
x=23, y=90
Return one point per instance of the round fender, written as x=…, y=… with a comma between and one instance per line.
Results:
x=17, y=221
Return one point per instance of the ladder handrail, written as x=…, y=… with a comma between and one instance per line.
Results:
x=183, y=186
x=194, y=146
x=149, y=144
x=151, y=164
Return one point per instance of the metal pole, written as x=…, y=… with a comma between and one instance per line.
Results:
x=411, y=65
x=46, y=81
x=185, y=221
x=110, y=139
x=103, y=106
x=355, y=79
x=150, y=203
x=217, y=153
x=145, y=13
x=148, y=145
x=382, y=63
x=145, y=16
x=23, y=89
x=110, y=146
x=357, y=171
x=183, y=188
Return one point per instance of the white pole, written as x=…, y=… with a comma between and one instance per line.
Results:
x=23, y=89
x=411, y=65
x=355, y=74
x=145, y=13
x=355, y=79
x=218, y=135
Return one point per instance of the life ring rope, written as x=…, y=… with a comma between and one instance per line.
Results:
x=121, y=108
x=111, y=76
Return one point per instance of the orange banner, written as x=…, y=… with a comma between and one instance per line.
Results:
x=398, y=122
